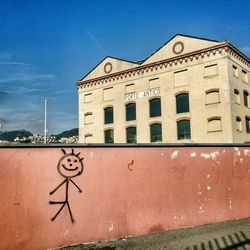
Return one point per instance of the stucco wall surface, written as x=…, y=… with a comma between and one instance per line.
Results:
x=126, y=191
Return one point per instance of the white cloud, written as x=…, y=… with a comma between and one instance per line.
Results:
x=14, y=63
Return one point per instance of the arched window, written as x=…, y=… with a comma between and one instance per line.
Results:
x=183, y=130
x=155, y=107
x=130, y=112
x=182, y=103
x=238, y=124
x=109, y=136
x=247, y=120
x=155, y=132
x=108, y=115
x=131, y=134
x=246, y=97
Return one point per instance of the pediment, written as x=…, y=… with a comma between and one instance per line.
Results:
x=109, y=65
x=180, y=45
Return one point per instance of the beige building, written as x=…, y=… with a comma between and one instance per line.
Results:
x=189, y=90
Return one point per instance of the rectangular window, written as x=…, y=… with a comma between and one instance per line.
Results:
x=108, y=115
x=109, y=136
x=108, y=94
x=180, y=78
x=183, y=130
x=244, y=76
x=210, y=70
x=212, y=96
x=235, y=71
x=214, y=125
x=156, y=132
x=130, y=88
x=88, y=138
x=154, y=83
x=246, y=97
x=237, y=96
x=238, y=124
x=131, y=135
x=130, y=112
x=87, y=98
x=88, y=118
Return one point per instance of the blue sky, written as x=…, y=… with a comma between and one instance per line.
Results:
x=46, y=46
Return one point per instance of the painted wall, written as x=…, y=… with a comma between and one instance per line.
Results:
x=126, y=191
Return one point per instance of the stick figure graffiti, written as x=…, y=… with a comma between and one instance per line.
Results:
x=69, y=166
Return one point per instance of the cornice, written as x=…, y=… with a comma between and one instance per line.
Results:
x=195, y=55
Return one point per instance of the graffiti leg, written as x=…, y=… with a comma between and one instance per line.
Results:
x=58, y=212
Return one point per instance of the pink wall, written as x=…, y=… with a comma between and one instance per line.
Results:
x=164, y=188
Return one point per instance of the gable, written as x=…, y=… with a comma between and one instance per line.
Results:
x=107, y=66
x=180, y=45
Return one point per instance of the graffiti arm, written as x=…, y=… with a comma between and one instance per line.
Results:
x=76, y=186
x=52, y=192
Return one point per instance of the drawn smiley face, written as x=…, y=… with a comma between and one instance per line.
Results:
x=70, y=166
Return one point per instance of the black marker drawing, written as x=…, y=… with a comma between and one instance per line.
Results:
x=69, y=166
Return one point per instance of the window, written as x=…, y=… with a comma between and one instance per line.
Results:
x=154, y=83
x=182, y=103
x=214, y=124
x=238, y=124
x=235, y=71
x=131, y=135
x=87, y=98
x=129, y=88
x=130, y=112
x=155, y=107
x=237, y=96
x=246, y=96
x=88, y=138
x=108, y=94
x=108, y=115
x=155, y=132
x=247, y=120
x=180, y=78
x=109, y=136
x=212, y=96
x=88, y=118
x=183, y=130
x=244, y=76
x=210, y=70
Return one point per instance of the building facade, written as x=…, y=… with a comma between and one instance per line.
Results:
x=189, y=90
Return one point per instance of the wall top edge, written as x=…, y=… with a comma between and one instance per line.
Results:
x=124, y=145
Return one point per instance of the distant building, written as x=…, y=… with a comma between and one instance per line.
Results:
x=189, y=90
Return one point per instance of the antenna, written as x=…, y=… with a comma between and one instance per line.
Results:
x=45, y=121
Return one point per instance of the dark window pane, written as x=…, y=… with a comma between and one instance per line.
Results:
x=108, y=115
x=246, y=99
x=247, y=125
x=182, y=103
x=109, y=136
x=155, y=132
x=183, y=130
x=131, y=135
x=130, y=112
x=155, y=107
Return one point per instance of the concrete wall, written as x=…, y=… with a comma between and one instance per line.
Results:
x=126, y=191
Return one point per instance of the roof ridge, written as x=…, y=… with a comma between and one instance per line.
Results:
x=179, y=34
